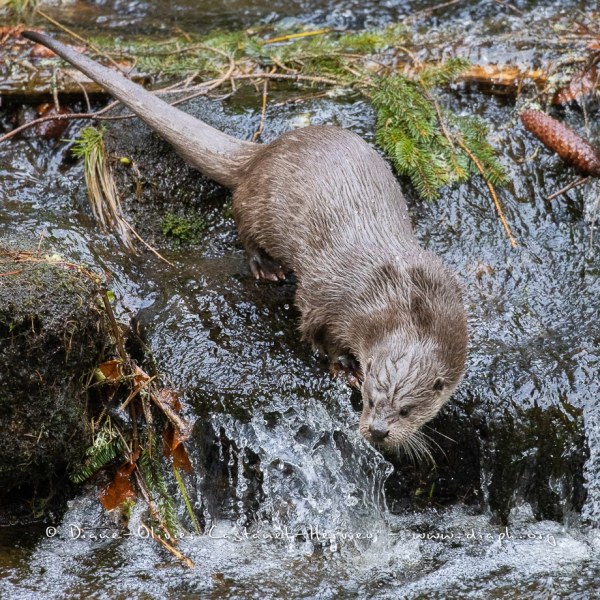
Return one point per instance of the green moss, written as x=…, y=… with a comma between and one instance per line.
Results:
x=182, y=229
x=18, y=8
x=327, y=53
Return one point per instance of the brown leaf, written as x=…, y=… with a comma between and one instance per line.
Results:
x=120, y=489
x=140, y=378
x=39, y=51
x=174, y=447
x=171, y=398
x=112, y=369
x=581, y=84
x=505, y=75
x=11, y=32
x=53, y=129
x=167, y=402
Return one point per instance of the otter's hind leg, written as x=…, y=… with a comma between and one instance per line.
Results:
x=249, y=218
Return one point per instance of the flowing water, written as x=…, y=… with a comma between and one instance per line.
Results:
x=295, y=503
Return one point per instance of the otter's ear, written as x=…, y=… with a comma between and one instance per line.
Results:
x=369, y=364
x=439, y=384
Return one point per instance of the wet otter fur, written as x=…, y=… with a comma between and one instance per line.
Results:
x=322, y=203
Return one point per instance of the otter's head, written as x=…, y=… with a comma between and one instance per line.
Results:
x=406, y=383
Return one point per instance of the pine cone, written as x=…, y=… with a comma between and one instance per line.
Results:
x=572, y=148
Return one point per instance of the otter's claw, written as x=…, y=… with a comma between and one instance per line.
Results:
x=264, y=267
x=347, y=364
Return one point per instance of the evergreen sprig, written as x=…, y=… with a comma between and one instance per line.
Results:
x=474, y=133
x=107, y=445
x=419, y=137
x=151, y=471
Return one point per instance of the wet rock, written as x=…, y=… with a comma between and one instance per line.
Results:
x=513, y=434
x=51, y=336
x=160, y=188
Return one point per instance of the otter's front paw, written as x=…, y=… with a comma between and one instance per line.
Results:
x=263, y=266
x=347, y=364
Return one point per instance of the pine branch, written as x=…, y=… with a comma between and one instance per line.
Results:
x=107, y=445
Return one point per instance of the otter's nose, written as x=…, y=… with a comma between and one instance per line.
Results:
x=379, y=430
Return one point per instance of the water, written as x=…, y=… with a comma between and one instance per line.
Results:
x=294, y=502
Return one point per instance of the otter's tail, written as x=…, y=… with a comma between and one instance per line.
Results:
x=214, y=153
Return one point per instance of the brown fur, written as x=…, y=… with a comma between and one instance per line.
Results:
x=321, y=202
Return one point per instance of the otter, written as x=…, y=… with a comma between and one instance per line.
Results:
x=322, y=203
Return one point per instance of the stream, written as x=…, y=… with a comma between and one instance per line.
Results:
x=295, y=503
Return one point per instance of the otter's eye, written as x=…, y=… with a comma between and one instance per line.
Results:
x=403, y=412
x=438, y=385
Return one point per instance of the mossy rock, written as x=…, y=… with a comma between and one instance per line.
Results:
x=51, y=336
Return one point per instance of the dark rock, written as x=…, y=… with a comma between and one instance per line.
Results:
x=51, y=337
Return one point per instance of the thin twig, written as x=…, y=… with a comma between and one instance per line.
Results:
x=427, y=11
x=153, y=250
x=499, y=210
x=60, y=117
x=180, y=425
x=41, y=240
x=188, y=562
x=30, y=257
x=183, y=33
x=212, y=85
x=79, y=38
x=288, y=77
x=54, y=87
x=201, y=90
x=83, y=91
x=190, y=49
x=296, y=36
x=135, y=392
x=149, y=422
x=572, y=185
x=155, y=513
x=115, y=328
x=135, y=441
x=263, y=111
x=441, y=120
x=510, y=6
x=279, y=64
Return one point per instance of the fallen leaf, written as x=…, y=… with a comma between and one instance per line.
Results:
x=53, y=129
x=170, y=397
x=112, y=369
x=580, y=85
x=39, y=51
x=120, y=488
x=140, y=378
x=11, y=32
x=174, y=447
